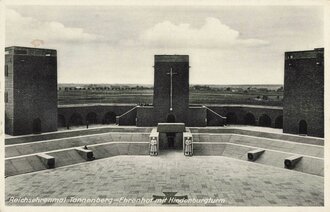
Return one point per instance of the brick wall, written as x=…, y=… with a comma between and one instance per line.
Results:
x=32, y=90
x=241, y=111
x=161, y=101
x=304, y=92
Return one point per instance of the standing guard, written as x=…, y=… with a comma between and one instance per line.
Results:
x=154, y=142
x=188, y=146
x=153, y=146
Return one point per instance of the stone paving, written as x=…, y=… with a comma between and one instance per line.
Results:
x=134, y=180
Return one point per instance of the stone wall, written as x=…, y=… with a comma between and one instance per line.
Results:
x=242, y=114
x=102, y=113
x=304, y=92
x=196, y=114
x=145, y=116
x=179, y=64
x=196, y=117
x=31, y=87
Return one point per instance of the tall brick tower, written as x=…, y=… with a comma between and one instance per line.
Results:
x=30, y=90
x=303, y=103
x=171, y=88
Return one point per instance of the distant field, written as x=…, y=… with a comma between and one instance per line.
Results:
x=144, y=96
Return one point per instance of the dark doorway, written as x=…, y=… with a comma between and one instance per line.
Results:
x=303, y=127
x=91, y=118
x=265, y=121
x=76, y=120
x=61, y=121
x=36, y=126
x=170, y=140
x=279, y=122
x=231, y=118
x=109, y=118
x=249, y=119
x=170, y=118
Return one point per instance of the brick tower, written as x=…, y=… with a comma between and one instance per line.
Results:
x=30, y=90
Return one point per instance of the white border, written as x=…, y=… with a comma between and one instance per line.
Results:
x=324, y=3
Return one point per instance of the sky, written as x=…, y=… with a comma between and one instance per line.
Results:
x=117, y=44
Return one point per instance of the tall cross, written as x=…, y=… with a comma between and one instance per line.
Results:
x=171, y=89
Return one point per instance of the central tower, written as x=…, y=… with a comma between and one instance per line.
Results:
x=171, y=88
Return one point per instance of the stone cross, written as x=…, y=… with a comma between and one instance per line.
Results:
x=171, y=88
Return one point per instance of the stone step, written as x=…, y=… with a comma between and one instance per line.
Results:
x=63, y=143
x=260, y=142
x=32, y=163
x=270, y=135
x=73, y=133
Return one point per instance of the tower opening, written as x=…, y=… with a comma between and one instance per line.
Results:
x=36, y=128
x=303, y=127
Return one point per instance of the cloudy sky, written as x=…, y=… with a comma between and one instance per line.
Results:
x=116, y=44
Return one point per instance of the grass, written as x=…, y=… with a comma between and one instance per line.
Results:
x=145, y=96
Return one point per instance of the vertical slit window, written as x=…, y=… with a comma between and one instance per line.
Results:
x=6, y=70
x=6, y=97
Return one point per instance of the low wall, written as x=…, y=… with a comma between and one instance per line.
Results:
x=43, y=146
x=280, y=136
x=273, y=144
x=308, y=164
x=31, y=163
x=120, y=148
x=23, y=165
x=72, y=133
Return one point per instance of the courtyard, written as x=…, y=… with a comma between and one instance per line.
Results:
x=135, y=180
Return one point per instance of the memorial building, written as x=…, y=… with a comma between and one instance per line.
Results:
x=31, y=97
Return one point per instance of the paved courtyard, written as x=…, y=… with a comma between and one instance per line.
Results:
x=134, y=180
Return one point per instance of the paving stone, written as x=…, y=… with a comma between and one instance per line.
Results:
x=239, y=183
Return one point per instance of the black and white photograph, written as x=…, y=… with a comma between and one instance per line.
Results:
x=169, y=105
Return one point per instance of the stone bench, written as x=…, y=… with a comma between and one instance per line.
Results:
x=291, y=162
x=87, y=154
x=47, y=160
x=255, y=154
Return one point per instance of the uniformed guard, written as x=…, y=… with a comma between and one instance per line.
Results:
x=188, y=146
x=153, y=146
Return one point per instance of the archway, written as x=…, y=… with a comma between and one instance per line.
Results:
x=109, y=118
x=170, y=118
x=249, y=119
x=279, y=122
x=61, y=121
x=231, y=118
x=265, y=121
x=91, y=118
x=36, y=126
x=303, y=127
x=76, y=119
